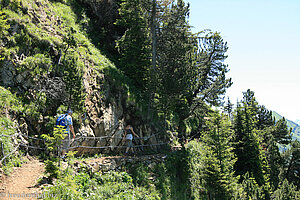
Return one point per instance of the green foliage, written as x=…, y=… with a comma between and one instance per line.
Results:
x=177, y=176
x=292, y=164
x=171, y=67
x=211, y=161
x=257, y=138
x=112, y=185
x=7, y=146
x=65, y=188
x=175, y=67
x=170, y=178
x=53, y=144
x=41, y=51
x=282, y=134
x=8, y=102
x=39, y=66
x=252, y=189
x=6, y=129
x=163, y=181
x=294, y=128
x=134, y=46
x=3, y=24
x=52, y=169
x=220, y=159
x=140, y=175
x=70, y=40
x=3, y=29
x=186, y=77
x=33, y=110
x=271, y=150
x=247, y=140
x=196, y=169
x=72, y=76
x=286, y=191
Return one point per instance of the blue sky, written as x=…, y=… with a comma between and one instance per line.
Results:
x=264, y=48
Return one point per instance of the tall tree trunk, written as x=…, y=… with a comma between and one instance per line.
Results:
x=153, y=70
x=154, y=38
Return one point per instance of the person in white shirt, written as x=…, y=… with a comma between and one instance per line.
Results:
x=128, y=136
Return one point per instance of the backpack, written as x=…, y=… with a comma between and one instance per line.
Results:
x=61, y=121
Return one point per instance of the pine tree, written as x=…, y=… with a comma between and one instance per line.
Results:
x=292, y=164
x=220, y=180
x=176, y=71
x=252, y=189
x=210, y=82
x=251, y=157
x=286, y=191
x=73, y=73
x=264, y=118
x=135, y=45
x=190, y=69
x=281, y=133
x=228, y=108
x=272, y=136
x=174, y=45
x=257, y=137
x=270, y=149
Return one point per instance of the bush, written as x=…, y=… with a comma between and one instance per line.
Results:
x=8, y=104
x=140, y=174
x=112, y=185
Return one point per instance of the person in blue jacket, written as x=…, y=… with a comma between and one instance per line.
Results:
x=70, y=128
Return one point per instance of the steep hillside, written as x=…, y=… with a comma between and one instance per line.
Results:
x=294, y=126
x=51, y=64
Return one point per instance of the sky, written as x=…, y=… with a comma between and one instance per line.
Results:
x=263, y=37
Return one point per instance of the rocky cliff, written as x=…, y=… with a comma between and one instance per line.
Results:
x=51, y=64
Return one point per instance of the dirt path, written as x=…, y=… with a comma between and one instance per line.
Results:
x=22, y=183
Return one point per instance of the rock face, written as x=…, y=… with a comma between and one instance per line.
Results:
x=107, y=111
x=107, y=107
x=107, y=115
x=116, y=163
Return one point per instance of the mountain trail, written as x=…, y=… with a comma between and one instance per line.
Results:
x=22, y=183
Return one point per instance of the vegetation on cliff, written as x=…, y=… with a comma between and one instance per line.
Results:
x=162, y=77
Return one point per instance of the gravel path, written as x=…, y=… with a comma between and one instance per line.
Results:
x=22, y=183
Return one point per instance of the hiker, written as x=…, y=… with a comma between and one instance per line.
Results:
x=66, y=120
x=128, y=136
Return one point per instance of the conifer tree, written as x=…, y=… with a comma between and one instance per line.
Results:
x=174, y=64
x=251, y=159
x=264, y=118
x=220, y=181
x=286, y=191
x=251, y=189
x=228, y=108
x=281, y=133
x=190, y=69
x=292, y=164
x=178, y=72
x=135, y=45
x=272, y=136
x=270, y=149
x=257, y=137
x=73, y=73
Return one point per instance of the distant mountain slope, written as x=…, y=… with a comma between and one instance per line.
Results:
x=295, y=127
